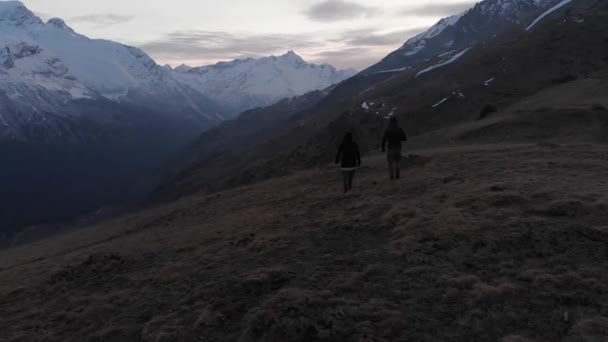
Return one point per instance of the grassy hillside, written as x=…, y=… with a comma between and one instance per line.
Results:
x=495, y=234
x=478, y=243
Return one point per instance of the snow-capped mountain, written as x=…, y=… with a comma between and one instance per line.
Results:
x=48, y=68
x=45, y=67
x=483, y=21
x=261, y=82
x=86, y=123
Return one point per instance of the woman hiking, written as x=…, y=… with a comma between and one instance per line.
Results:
x=349, y=159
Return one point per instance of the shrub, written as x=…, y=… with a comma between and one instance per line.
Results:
x=565, y=79
x=487, y=110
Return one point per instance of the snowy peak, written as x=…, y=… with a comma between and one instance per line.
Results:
x=293, y=58
x=14, y=13
x=182, y=68
x=457, y=32
x=249, y=83
x=292, y=54
x=437, y=28
x=509, y=7
x=59, y=24
x=511, y=11
x=43, y=65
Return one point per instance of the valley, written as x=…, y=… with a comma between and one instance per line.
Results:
x=92, y=125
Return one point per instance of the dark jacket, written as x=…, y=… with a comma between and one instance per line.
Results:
x=349, y=154
x=394, y=136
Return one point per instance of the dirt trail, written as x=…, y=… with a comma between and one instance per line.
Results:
x=486, y=243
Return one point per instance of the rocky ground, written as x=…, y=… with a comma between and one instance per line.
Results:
x=491, y=242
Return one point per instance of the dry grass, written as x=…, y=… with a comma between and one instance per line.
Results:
x=474, y=244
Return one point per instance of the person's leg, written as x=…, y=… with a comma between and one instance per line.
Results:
x=345, y=180
x=398, y=164
x=351, y=176
x=391, y=173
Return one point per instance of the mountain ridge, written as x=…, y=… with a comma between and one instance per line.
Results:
x=479, y=22
x=55, y=58
x=266, y=79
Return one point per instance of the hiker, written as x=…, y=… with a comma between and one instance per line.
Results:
x=393, y=135
x=349, y=159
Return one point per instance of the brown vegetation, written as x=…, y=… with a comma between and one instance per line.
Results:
x=474, y=244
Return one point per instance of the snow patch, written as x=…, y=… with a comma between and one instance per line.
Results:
x=488, y=82
x=391, y=114
x=447, y=53
x=365, y=106
x=416, y=48
x=440, y=102
x=418, y=43
x=549, y=11
x=444, y=63
x=392, y=70
x=366, y=90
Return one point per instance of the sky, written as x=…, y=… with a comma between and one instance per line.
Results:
x=344, y=33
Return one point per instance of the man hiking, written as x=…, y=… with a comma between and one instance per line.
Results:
x=350, y=159
x=393, y=135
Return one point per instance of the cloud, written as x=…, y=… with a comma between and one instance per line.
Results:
x=337, y=10
x=224, y=45
x=363, y=47
x=367, y=37
x=347, y=52
x=343, y=49
x=352, y=57
x=102, y=19
x=438, y=9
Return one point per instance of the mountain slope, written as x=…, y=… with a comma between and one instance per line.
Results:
x=225, y=149
x=476, y=243
x=48, y=68
x=85, y=124
x=448, y=89
x=485, y=20
x=458, y=86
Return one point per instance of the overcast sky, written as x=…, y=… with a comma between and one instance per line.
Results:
x=345, y=33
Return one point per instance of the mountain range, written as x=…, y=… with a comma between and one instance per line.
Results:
x=96, y=131
x=89, y=123
x=46, y=66
x=249, y=83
